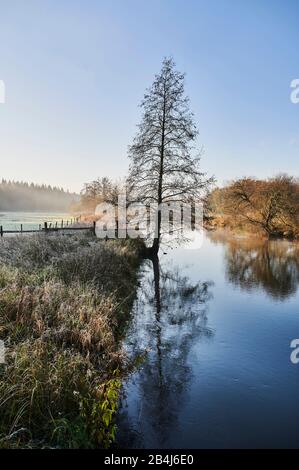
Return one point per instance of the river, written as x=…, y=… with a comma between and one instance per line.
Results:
x=214, y=326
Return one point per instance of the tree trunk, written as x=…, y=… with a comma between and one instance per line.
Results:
x=156, y=243
x=156, y=270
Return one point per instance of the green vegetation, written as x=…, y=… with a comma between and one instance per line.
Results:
x=264, y=207
x=64, y=305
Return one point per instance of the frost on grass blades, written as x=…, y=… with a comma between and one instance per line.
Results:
x=2, y=352
x=180, y=222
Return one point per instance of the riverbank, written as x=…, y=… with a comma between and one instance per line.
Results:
x=268, y=207
x=64, y=307
x=221, y=223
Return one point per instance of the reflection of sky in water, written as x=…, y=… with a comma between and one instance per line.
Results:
x=218, y=370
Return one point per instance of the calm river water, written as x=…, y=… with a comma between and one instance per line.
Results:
x=216, y=325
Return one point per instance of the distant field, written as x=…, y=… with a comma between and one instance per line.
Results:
x=30, y=220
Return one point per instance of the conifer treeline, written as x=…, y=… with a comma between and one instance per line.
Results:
x=22, y=196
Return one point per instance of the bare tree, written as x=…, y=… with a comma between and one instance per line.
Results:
x=101, y=190
x=269, y=205
x=164, y=168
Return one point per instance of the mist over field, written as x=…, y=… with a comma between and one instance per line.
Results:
x=19, y=196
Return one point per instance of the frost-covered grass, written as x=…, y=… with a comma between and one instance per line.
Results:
x=64, y=303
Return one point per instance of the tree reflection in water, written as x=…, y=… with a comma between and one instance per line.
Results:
x=271, y=265
x=170, y=314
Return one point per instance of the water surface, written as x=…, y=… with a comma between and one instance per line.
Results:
x=216, y=325
x=30, y=220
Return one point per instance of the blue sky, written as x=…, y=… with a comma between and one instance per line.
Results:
x=75, y=72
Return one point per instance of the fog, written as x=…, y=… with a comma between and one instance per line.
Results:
x=19, y=196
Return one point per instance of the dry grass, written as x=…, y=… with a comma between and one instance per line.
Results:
x=64, y=303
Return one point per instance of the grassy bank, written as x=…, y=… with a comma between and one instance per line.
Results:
x=64, y=305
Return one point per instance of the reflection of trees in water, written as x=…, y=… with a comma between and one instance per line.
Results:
x=170, y=315
x=270, y=265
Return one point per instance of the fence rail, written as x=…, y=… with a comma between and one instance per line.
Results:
x=49, y=228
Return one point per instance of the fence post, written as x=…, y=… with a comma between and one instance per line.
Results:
x=1, y=231
x=21, y=228
x=46, y=227
x=94, y=227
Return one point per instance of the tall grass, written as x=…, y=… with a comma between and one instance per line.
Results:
x=64, y=304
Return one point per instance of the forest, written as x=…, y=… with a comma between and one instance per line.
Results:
x=22, y=196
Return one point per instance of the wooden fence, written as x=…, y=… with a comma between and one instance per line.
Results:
x=49, y=227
